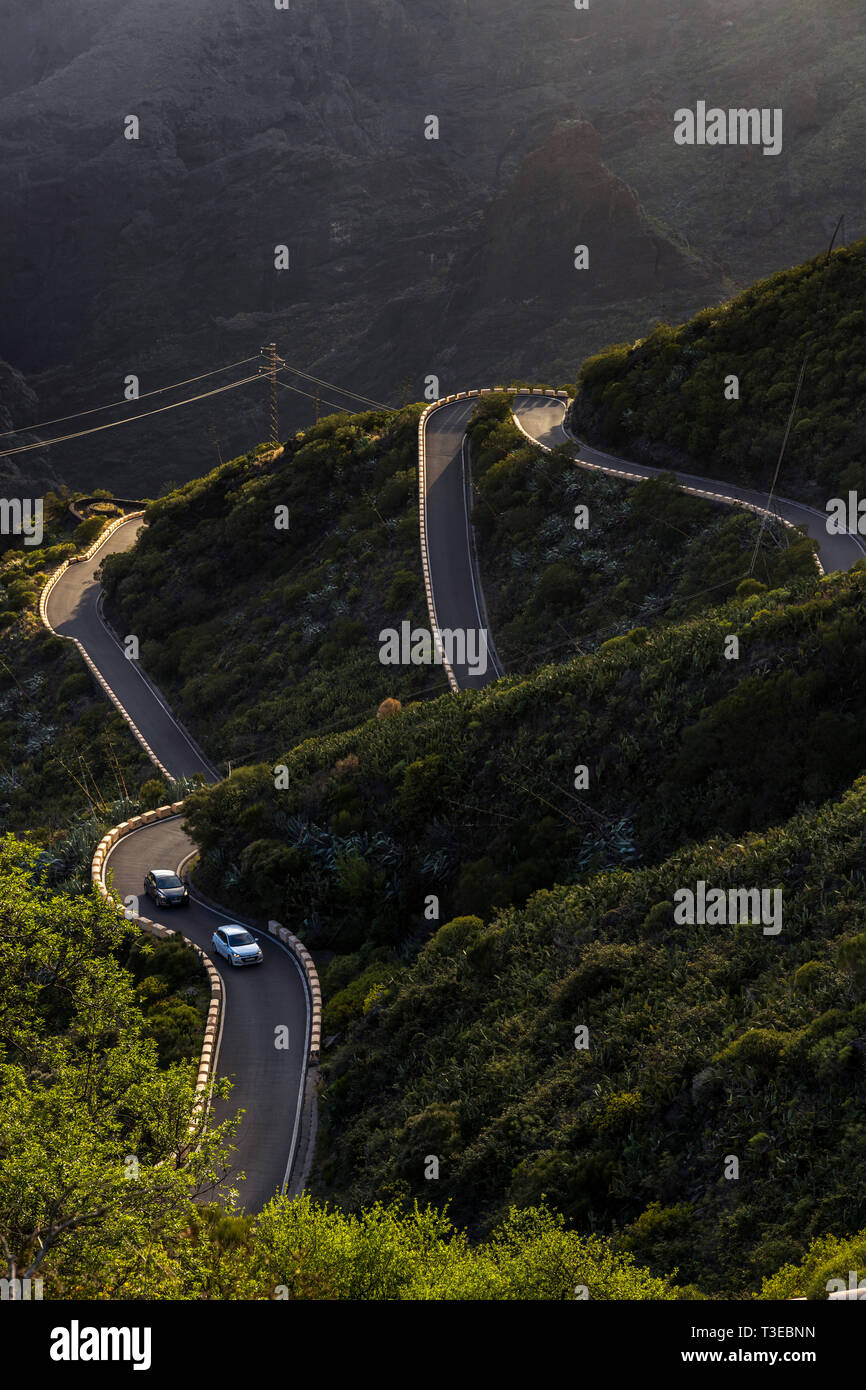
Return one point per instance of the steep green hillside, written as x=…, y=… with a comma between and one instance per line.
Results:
x=474, y=799
x=663, y=398
x=458, y=1041
x=95, y=1073
x=511, y=992
x=98, y=1032
x=260, y=636
x=290, y=647
x=641, y=552
x=704, y=1042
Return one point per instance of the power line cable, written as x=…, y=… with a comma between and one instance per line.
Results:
x=341, y=409
x=160, y=390
x=332, y=386
x=796, y=403
x=130, y=419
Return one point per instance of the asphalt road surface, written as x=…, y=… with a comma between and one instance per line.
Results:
x=457, y=595
x=73, y=611
x=542, y=418
x=268, y=1082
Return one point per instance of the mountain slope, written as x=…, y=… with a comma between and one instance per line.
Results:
x=666, y=398
x=290, y=647
x=306, y=128
x=703, y=1042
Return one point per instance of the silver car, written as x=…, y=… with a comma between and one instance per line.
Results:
x=236, y=944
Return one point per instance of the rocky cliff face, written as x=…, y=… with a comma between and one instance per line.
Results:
x=565, y=251
x=305, y=127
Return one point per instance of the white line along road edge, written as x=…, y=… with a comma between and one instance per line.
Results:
x=422, y=508
x=43, y=613
x=207, y=1060
x=98, y=866
x=683, y=487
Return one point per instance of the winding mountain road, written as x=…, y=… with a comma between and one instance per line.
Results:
x=456, y=593
x=258, y=1000
x=74, y=610
x=269, y=1081
x=542, y=419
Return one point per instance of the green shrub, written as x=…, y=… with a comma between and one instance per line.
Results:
x=86, y=531
x=405, y=586
x=152, y=794
x=747, y=587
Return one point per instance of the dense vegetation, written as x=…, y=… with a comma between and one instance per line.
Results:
x=645, y=552
x=302, y=1249
x=704, y=1042
x=474, y=799
x=99, y=1168
x=99, y=1040
x=663, y=398
x=493, y=873
x=261, y=636
x=458, y=1042
x=103, y=1188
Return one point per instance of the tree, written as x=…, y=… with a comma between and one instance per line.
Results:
x=100, y=1151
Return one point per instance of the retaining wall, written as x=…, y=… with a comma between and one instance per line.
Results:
x=299, y=950
x=97, y=874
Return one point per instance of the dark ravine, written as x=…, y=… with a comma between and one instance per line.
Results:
x=305, y=128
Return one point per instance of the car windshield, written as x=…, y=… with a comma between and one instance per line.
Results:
x=240, y=938
x=166, y=880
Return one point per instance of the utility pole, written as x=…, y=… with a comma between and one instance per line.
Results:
x=216, y=441
x=317, y=405
x=272, y=371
